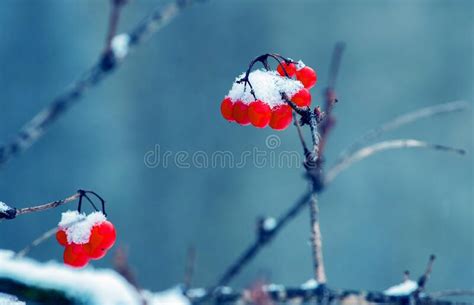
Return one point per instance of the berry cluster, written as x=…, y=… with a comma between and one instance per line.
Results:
x=84, y=237
x=259, y=97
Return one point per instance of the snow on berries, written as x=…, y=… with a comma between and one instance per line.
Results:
x=84, y=237
x=261, y=97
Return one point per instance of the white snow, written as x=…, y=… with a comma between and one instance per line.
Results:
x=267, y=85
x=78, y=226
x=120, y=45
x=403, y=289
x=269, y=224
x=309, y=284
x=172, y=296
x=300, y=65
x=3, y=207
x=89, y=286
x=6, y=299
x=92, y=286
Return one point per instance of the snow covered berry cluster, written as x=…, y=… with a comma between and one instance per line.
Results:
x=259, y=97
x=84, y=237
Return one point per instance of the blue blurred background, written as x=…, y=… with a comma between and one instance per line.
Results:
x=383, y=216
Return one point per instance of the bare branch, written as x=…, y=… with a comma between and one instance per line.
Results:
x=264, y=237
x=189, y=267
x=107, y=62
x=368, y=151
x=402, y=120
x=316, y=241
x=42, y=238
x=47, y=206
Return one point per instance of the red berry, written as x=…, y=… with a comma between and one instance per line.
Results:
x=240, y=113
x=290, y=69
x=95, y=253
x=281, y=117
x=302, y=98
x=259, y=114
x=102, y=236
x=226, y=109
x=307, y=76
x=61, y=237
x=75, y=256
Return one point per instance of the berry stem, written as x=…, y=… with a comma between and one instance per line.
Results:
x=264, y=60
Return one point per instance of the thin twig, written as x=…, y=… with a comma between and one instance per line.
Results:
x=402, y=120
x=330, y=98
x=316, y=241
x=189, y=267
x=107, y=62
x=47, y=206
x=368, y=151
x=42, y=238
x=114, y=18
x=425, y=277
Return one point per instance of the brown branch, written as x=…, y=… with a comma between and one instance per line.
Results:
x=425, y=277
x=266, y=234
x=189, y=267
x=368, y=151
x=316, y=241
x=47, y=206
x=108, y=61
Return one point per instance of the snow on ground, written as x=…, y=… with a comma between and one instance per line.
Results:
x=403, y=289
x=90, y=286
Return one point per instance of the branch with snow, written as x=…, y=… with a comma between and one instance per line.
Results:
x=117, y=49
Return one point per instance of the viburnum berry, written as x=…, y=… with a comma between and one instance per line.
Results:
x=61, y=237
x=259, y=114
x=227, y=109
x=240, y=113
x=85, y=237
x=260, y=97
x=307, y=76
x=75, y=256
x=302, y=98
x=281, y=117
x=290, y=69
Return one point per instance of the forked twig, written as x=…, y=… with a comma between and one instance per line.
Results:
x=368, y=151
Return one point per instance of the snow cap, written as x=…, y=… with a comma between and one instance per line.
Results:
x=78, y=226
x=268, y=87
